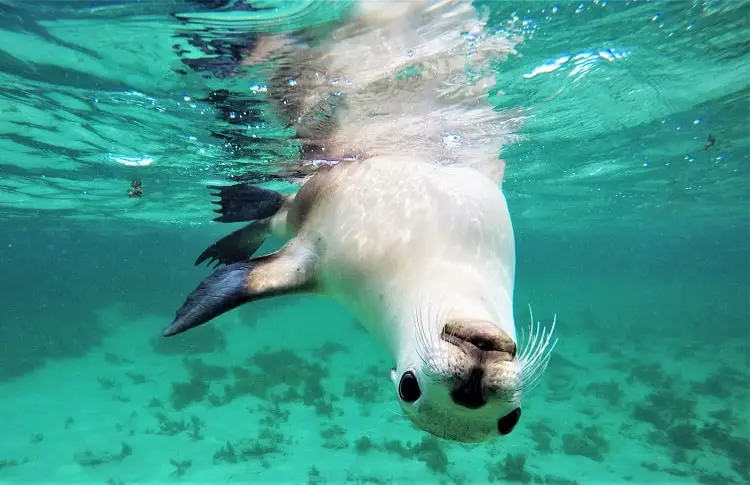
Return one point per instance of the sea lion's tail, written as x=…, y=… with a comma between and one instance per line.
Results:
x=239, y=203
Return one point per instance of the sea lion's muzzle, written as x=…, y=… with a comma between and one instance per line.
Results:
x=483, y=344
x=479, y=339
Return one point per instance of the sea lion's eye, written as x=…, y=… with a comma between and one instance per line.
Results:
x=506, y=424
x=408, y=388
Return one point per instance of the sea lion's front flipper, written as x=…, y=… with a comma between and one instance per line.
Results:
x=290, y=270
x=246, y=202
x=236, y=246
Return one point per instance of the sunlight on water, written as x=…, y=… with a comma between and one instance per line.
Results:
x=593, y=84
x=582, y=62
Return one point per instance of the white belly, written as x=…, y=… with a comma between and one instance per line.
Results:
x=399, y=235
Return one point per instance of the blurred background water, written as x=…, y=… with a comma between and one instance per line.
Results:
x=631, y=225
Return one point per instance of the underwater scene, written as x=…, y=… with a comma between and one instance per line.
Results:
x=624, y=127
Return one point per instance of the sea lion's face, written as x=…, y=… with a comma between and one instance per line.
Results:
x=463, y=386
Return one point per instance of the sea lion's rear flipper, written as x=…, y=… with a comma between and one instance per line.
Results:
x=290, y=270
x=236, y=246
x=246, y=202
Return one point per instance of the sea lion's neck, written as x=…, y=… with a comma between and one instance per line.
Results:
x=465, y=293
x=428, y=310
x=419, y=302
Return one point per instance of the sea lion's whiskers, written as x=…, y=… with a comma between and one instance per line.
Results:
x=428, y=337
x=400, y=415
x=422, y=343
x=535, y=353
x=437, y=321
x=425, y=347
x=437, y=355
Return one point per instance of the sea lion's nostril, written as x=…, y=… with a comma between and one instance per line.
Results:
x=483, y=343
x=469, y=392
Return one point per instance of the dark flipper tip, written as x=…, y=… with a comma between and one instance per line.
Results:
x=237, y=246
x=169, y=331
x=245, y=202
x=223, y=290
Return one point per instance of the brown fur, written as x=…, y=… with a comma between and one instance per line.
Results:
x=274, y=275
x=311, y=193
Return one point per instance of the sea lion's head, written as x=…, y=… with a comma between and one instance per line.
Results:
x=466, y=384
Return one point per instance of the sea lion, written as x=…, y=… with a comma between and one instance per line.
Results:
x=400, y=215
x=424, y=257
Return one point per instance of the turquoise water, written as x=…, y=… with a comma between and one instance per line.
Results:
x=628, y=228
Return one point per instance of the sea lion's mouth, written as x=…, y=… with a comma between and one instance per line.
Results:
x=478, y=337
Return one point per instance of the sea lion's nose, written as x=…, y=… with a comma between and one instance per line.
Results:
x=480, y=337
x=469, y=392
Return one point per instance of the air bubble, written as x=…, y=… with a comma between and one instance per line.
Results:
x=451, y=140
